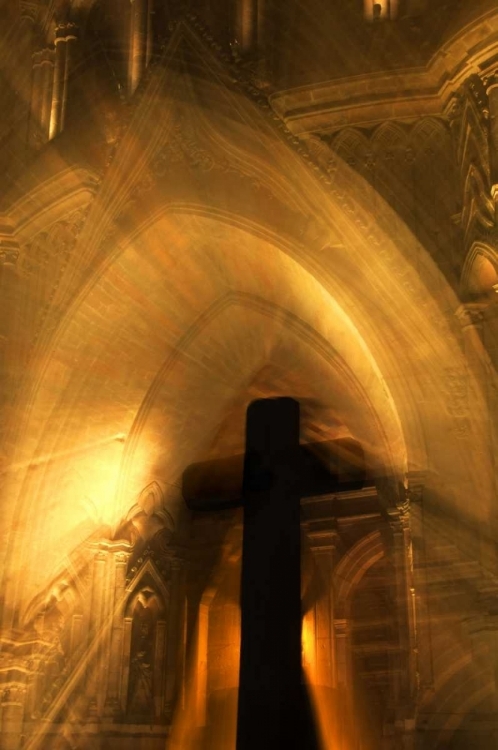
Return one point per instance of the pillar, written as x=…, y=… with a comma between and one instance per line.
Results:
x=12, y=703
x=324, y=555
x=34, y=692
x=94, y=685
x=35, y=134
x=472, y=318
x=160, y=652
x=65, y=38
x=150, y=36
x=406, y=690
x=9, y=280
x=10, y=364
x=246, y=25
x=140, y=44
x=22, y=45
x=344, y=693
x=251, y=30
x=415, y=482
x=46, y=81
x=119, y=561
x=174, y=640
x=10, y=373
x=41, y=96
x=125, y=672
x=323, y=548
x=398, y=523
x=201, y=670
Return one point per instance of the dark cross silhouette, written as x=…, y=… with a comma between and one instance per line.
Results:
x=269, y=482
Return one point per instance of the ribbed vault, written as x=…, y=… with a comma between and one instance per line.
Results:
x=216, y=266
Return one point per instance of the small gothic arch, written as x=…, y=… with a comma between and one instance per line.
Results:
x=147, y=516
x=63, y=598
x=429, y=131
x=52, y=623
x=472, y=142
x=388, y=137
x=151, y=500
x=480, y=271
x=352, y=146
x=144, y=646
x=353, y=566
x=478, y=207
x=61, y=592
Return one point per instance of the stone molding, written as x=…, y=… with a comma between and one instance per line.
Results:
x=399, y=94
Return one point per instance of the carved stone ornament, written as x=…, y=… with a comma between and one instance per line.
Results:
x=471, y=314
x=490, y=81
x=9, y=252
x=478, y=91
x=29, y=10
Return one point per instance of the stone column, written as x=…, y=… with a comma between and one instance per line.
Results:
x=403, y=571
x=323, y=547
x=406, y=689
x=46, y=82
x=150, y=33
x=125, y=673
x=12, y=704
x=70, y=43
x=182, y=652
x=472, y=318
x=65, y=38
x=201, y=672
x=344, y=672
x=35, y=134
x=22, y=45
x=9, y=302
x=94, y=687
x=119, y=561
x=324, y=555
x=58, y=83
x=161, y=649
x=34, y=692
x=175, y=616
x=416, y=481
x=246, y=25
x=138, y=51
x=76, y=633
x=41, y=96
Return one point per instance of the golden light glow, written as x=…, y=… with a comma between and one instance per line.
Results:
x=380, y=9
x=177, y=241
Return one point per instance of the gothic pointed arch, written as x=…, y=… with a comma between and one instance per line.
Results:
x=480, y=271
x=353, y=566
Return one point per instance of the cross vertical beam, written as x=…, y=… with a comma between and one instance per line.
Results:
x=269, y=482
x=270, y=661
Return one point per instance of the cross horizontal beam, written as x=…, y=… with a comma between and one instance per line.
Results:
x=321, y=468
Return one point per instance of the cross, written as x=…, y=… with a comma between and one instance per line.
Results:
x=269, y=482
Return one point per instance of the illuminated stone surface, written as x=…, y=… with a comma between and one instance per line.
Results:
x=202, y=207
